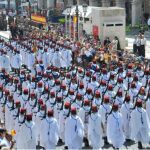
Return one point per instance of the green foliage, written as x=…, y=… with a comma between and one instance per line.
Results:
x=62, y=20
x=128, y=28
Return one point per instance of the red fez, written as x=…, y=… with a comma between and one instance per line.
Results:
x=81, y=86
x=115, y=107
x=1, y=87
x=112, y=76
x=130, y=66
x=17, y=103
x=59, y=99
x=94, y=78
x=89, y=90
x=146, y=72
x=40, y=102
x=88, y=74
x=103, y=82
x=10, y=97
x=40, y=84
x=46, y=89
x=120, y=70
x=86, y=102
x=63, y=86
x=133, y=85
x=127, y=98
x=57, y=82
x=120, y=80
x=33, y=79
x=79, y=96
x=71, y=92
x=68, y=75
x=32, y=95
x=7, y=92
x=119, y=93
x=73, y=111
x=106, y=99
x=135, y=78
x=50, y=113
x=28, y=77
x=50, y=76
x=25, y=91
x=43, y=107
x=80, y=70
x=129, y=74
x=139, y=103
x=40, y=62
x=110, y=87
x=29, y=117
x=67, y=105
x=52, y=93
x=97, y=94
x=94, y=108
x=22, y=110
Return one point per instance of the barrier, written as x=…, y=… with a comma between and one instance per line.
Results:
x=5, y=35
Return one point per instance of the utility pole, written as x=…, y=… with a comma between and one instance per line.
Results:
x=8, y=6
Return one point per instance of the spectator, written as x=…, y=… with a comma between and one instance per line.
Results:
x=148, y=22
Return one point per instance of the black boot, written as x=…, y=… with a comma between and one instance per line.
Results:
x=60, y=141
x=65, y=147
x=85, y=140
x=140, y=145
x=106, y=141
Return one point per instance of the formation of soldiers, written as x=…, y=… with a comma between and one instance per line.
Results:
x=45, y=99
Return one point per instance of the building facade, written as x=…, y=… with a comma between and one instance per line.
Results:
x=137, y=11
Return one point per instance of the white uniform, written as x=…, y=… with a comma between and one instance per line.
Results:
x=104, y=111
x=95, y=131
x=28, y=135
x=126, y=115
x=49, y=133
x=140, y=125
x=17, y=61
x=148, y=107
x=115, y=133
x=5, y=63
x=74, y=132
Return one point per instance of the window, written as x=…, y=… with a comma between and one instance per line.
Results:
x=109, y=25
x=119, y=24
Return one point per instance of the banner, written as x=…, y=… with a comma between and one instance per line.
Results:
x=38, y=19
x=95, y=30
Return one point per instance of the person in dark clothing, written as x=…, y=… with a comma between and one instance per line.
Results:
x=107, y=41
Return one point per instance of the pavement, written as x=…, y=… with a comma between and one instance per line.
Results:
x=127, y=145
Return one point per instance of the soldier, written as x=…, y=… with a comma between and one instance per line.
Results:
x=115, y=133
x=104, y=110
x=95, y=129
x=50, y=135
x=126, y=110
x=140, y=120
x=74, y=131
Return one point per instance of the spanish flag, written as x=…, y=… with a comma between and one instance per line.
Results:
x=75, y=19
x=13, y=132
